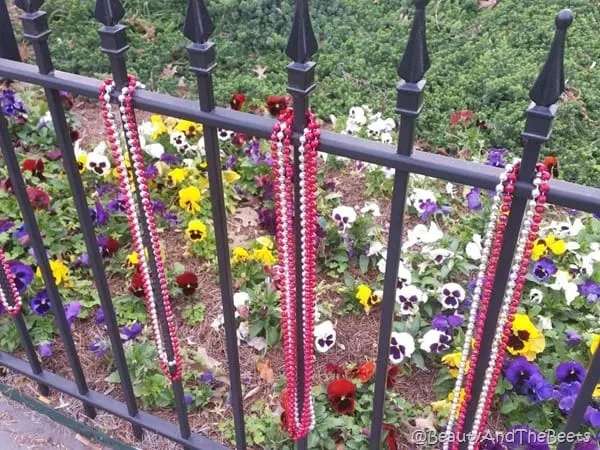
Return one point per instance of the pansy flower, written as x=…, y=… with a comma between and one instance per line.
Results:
x=344, y=216
x=420, y=234
x=325, y=336
x=496, y=157
x=518, y=371
x=117, y=205
x=35, y=166
x=188, y=127
x=402, y=345
x=367, y=298
x=567, y=228
x=363, y=372
x=239, y=255
x=409, y=298
x=452, y=361
x=189, y=199
x=45, y=349
x=435, y=341
x=188, y=282
x=570, y=372
x=524, y=437
x=131, y=332
x=525, y=339
x=98, y=163
x=158, y=127
x=447, y=322
x=136, y=286
x=473, y=200
x=38, y=198
x=536, y=296
x=572, y=338
x=99, y=347
x=237, y=101
x=98, y=214
x=341, y=393
x=72, y=311
x=196, y=230
x=591, y=290
x=549, y=243
x=451, y=295
x=595, y=343
x=264, y=255
x=592, y=416
x=177, y=175
x=23, y=274
x=99, y=317
x=108, y=246
x=538, y=388
x=169, y=159
x=440, y=255
x=224, y=135
x=543, y=269
x=40, y=303
x=276, y=104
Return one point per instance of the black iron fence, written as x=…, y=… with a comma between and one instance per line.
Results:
x=404, y=159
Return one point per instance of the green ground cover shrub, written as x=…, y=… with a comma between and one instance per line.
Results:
x=483, y=59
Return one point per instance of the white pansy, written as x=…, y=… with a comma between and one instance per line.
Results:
x=324, y=336
x=332, y=119
x=371, y=207
x=240, y=299
x=439, y=255
x=243, y=331
x=388, y=172
x=420, y=234
x=435, y=341
x=344, y=216
x=375, y=248
x=177, y=139
x=100, y=149
x=402, y=345
x=409, y=298
x=357, y=115
x=544, y=323
x=201, y=147
x=352, y=128
x=188, y=162
x=536, y=296
x=77, y=148
x=98, y=163
x=224, y=135
x=450, y=189
x=474, y=248
x=451, y=295
x=155, y=150
x=386, y=137
x=566, y=228
x=563, y=282
x=146, y=129
x=218, y=322
x=404, y=273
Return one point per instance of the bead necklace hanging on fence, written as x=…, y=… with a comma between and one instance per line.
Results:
x=494, y=236
x=141, y=219
x=8, y=288
x=300, y=418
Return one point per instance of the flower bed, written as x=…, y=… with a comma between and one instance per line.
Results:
x=554, y=334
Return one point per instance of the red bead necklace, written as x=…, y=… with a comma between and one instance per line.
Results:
x=136, y=212
x=300, y=417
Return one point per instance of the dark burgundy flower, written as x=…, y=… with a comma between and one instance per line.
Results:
x=66, y=99
x=276, y=104
x=35, y=166
x=335, y=369
x=137, y=285
x=237, y=101
x=391, y=438
x=188, y=282
x=38, y=198
x=266, y=220
x=108, y=246
x=392, y=375
x=341, y=394
x=53, y=155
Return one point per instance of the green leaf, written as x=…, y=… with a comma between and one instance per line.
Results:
x=113, y=377
x=363, y=263
x=417, y=358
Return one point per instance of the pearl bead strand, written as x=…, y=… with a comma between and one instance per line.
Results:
x=7, y=275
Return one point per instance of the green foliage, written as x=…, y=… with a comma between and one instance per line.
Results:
x=265, y=314
x=194, y=314
x=483, y=59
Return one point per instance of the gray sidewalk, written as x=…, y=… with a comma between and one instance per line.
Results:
x=23, y=428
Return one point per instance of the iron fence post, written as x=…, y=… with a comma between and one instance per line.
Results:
x=8, y=43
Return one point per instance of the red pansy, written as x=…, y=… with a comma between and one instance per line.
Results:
x=276, y=104
x=188, y=282
x=341, y=395
x=463, y=117
x=551, y=163
x=239, y=139
x=391, y=376
x=35, y=166
x=335, y=369
x=137, y=285
x=38, y=198
x=110, y=246
x=237, y=101
x=392, y=436
x=364, y=372
x=6, y=185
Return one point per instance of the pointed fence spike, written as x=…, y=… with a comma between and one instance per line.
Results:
x=302, y=43
x=198, y=25
x=109, y=12
x=415, y=61
x=550, y=83
x=29, y=6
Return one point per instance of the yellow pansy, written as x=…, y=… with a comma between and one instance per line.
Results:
x=189, y=198
x=525, y=339
x=230, y=176
x=188, y=127
x=596, y=391
x=81, y=162
x=240, y=254
x=595, y=343
x=265, y=241
x=176, y=176
x=367, y=298
x=541, y=246
x=196, y=230
x=445, y=404
x=264, y=255
x=59, y=270
x=132, y=259
x=202, y=182
x=158, y=126
x=452, y=360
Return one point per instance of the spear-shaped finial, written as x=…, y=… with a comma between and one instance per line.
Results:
x=415, y=61
x=109, y=12
x=550, y=83
x=29, y=6
x=302, y=43
x=198, y=26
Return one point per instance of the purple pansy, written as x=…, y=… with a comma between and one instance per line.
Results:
x=157, y=206
x=518, y=372
x=266, y=220
x=40, y=304
x=591, y=290
x=428, y=208
x=473, y=200
x=543, y=269
x=117, y=205
x=188, y=399
x=231, y=162
x=592, y=416
x=206, y=378
x=104, y=189
x=99, y=215
x=5, y=224
x=524, y=437
x=132, y=332
x=99, y=347
x=171, y=218
x=446, y=323
x=496, y=157
x=170, y=159
x=72, y=310
x=538, y=388
x=99, y=316
x=589, y=444
x=45, y=349
x=151, y=171
x=572, y=338
x=11, y=105
x=569, y=372
x=566, y=393
x=23, y=274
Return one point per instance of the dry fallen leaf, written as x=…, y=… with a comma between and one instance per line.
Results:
x=246, y=216
x=488, y=3
x=421, y=424
x=260, y=72
x=208, y=362
x=141, y=24
x=266, y=371
x=168, y=71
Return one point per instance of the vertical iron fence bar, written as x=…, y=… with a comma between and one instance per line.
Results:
x=301, y=46
x=8, y=43
x=114, y=44
x=411, y=69
x=584, y=397
x=538, y=128
x=19, y=321
x=36, y=28
x=198, y=28
x=60, y=318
